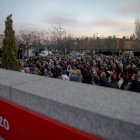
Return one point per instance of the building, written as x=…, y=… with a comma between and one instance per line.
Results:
x=127, y=44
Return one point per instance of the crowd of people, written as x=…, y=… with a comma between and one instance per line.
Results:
x=121, y=72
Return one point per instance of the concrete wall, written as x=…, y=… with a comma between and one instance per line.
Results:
x=109, y=113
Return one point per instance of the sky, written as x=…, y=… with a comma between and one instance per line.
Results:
x=80, y=17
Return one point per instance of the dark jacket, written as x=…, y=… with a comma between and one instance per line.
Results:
x=103, y=82
x=135, y=86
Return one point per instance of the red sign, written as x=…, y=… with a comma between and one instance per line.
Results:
x=18, y=123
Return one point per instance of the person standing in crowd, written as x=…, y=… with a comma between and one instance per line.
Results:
x=103, y=80
x=135, y=83
x=19, y=53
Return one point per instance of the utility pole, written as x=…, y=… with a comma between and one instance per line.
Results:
x=64, y=38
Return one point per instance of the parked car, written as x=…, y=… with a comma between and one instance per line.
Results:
x=77, y=53
x=45, y=53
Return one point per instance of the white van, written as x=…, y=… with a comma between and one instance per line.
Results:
x=45, y=53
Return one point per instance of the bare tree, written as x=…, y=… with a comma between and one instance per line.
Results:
x=59, y=38
x=137, y=28
x=30, y=39
x=40, y=37
x=25, y=39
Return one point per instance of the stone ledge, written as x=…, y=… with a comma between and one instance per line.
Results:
x=109, y=113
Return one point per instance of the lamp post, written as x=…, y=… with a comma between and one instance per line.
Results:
x=75, y=45
x=64, y=38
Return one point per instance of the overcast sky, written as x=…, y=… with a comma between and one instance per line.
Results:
x=81, y=17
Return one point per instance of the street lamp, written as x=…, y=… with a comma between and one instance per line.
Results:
x=96, y=35
x=75, y=44
x=65, y=36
